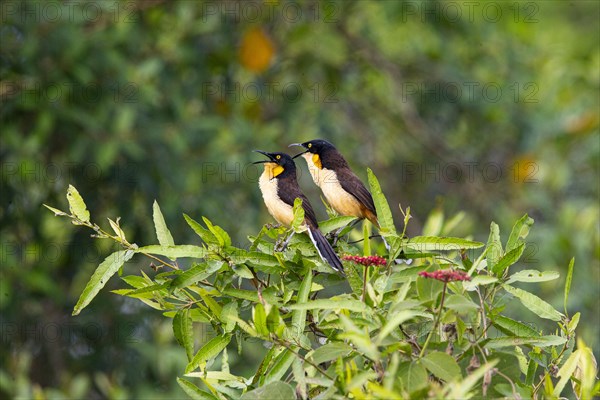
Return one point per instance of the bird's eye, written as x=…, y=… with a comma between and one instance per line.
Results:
x=309, y=145
x=278, y=157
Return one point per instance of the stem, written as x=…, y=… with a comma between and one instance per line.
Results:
x=365, y=278
x=436, y=322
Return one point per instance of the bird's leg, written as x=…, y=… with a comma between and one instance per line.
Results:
x=335, y=235
x=279, y=246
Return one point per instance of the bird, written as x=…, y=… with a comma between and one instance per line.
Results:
x=279, y=187
x=343, y=190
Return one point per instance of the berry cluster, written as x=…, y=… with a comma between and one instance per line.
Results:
x=366, y=260
x=446, y=275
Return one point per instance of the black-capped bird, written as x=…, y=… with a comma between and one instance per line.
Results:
x=279, y=187
x=343, y=190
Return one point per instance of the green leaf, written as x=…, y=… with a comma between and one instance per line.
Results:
x=228, y=313
x=566, y=372
x=206, y=235
x=462, y=389
x=330, y=351
x=174, y=252
x=209, y=351
x=514, y=328
x=260, y=320
x=332, y=304
x=162, y=232
x=434, y=223
x=384, y=214
x=507, y=260
x=105, y=270
x=56, y=211
x=194, y=391
x=335, y=223
x=280, y=367
x=196, y=273
x=532, y=275
x=273, y=390
x=299, y=315
x=479, y=280
x=441, y=365
x=535, y=304
x=222, y=237
x=182, y=329
x=413, y=376
x=393, y=323
x=460, y=304
x=568, y=282
x=426, y=243
x=539, y=341
x=77, y=205
x=250, y=295
x=494, y=245
x=519, y=231
x=298, y=220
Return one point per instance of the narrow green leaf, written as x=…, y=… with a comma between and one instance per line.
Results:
x=507, y=260
x=174, y=252
x=426, y=243
x=462, y=389
x=250, y=295
x=519, y=231
x=209, y=351
x=434, y=223
x=228, y=313
x=532, y=275
x=568, y=282
x=441, y=365
x=384, y=214
x=273, y=390
x=105, y=270
x=494, y=246
x=260, y=320
x=394, y=321
x=535, y=304
x=222, y=236
x=332, y=304
x=330, y=351
x=335, y=223
x=460, y=303
x=298, y=220
x=56, y=211
x=77, y=205
x=182, y=329
x=196, y=273
x=162, y=232
x=539, y=341
x=514, y=328
x=194, y=391
x=206, y=235
x=280, y=366
x=479, y=280
x=299, y=315
x=566, y=372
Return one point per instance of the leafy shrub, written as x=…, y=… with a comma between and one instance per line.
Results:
x=434, y=328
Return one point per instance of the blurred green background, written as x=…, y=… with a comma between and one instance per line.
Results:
x=491, y=108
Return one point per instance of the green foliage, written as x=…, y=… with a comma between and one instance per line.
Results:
x=395, y=334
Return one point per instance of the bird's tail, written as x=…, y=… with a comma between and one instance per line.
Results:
x=325, y=250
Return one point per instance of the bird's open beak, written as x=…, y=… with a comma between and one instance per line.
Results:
x=301, y=145
x=271, y=159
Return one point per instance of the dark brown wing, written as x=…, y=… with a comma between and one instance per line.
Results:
x=288, y=191
x=353, y=185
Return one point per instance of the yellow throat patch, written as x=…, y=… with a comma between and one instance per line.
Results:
x=317, y=161
x=273, y=170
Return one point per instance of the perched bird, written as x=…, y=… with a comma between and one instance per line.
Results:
x=279, y=187
x=343, y=190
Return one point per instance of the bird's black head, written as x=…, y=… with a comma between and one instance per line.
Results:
x=317, y=146
x=278, y=164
